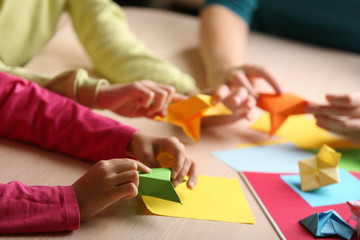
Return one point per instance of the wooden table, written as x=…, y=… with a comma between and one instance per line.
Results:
x=306, y=70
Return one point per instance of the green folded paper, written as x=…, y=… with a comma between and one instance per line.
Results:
x=158, y=184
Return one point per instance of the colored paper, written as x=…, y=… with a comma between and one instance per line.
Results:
x=354, y=207
x=328, y=195
x=303, y=132
x=286, y=207
x=280, y=107
x=327, y=224
x=321, y=170
x=213, y=198
x=278, y=158
x=350, y=158
x=188, y=113
x=158, y=184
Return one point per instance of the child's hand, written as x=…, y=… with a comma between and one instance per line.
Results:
x=105, y=183
x=342, y=115
x=237, y=92
x=139, y=99
x=147, y=148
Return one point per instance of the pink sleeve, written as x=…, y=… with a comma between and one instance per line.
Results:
x=26, y=209
x=33, y=114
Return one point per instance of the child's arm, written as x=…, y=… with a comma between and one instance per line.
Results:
x=27, y=209
x=116, y=52
x=33, y=114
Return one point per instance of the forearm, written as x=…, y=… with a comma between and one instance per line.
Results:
x=33, y=114
x=223, y=37
x=28, y=209
x=116, y=52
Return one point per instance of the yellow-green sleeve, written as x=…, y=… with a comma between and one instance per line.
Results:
x=115, y=51
x=76, y=84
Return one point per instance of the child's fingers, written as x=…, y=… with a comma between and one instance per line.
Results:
x=220, y=93
x=125, y=178
x=334, y=111
x=193, y=175
x=348, y=127
x=182, y=173
x=128, y=190
x=345, y=100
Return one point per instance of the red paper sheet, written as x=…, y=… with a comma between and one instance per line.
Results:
x=286, y=207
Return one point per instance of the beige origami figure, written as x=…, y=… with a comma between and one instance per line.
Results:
x=320, y=170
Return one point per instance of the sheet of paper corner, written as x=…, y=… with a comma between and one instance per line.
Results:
x=263, y=208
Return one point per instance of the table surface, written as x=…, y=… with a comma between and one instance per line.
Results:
x=306, y=70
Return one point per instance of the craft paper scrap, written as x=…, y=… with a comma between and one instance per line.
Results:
x=328, y=195
x=354, y=207
x=303, y=132
x=350, y=158
x=188, y=113
x=286, y=207
x=320, y=170
x=213, y=198
x=327, y=224
x=158, y=184
x=280, y=158
x=280, y=107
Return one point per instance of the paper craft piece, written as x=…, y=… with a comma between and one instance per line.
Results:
x=320, y=170
x=327, y=224
x=280, y=107
x=354, y=207
x=303, y=132
x=213, y=198
x=328, y=195
x=350, y=158
x=158, y=184
x=286, y=207
x=280, y=158
x=188, y=113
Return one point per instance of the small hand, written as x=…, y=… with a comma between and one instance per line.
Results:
x=143, y=98
x=341, y=116
x=146, y=149
x=105, y=183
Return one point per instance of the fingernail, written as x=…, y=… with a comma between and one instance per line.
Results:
x=191, y=184
x=148, y=169
x=175, y=182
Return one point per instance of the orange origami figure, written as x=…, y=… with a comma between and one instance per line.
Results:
x=188, y=113
x=280, y=107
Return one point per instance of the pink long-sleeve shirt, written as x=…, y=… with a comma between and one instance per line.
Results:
x=33, y=114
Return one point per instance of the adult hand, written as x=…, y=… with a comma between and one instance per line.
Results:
x=105, y=183
x=341, y=116
x=143, y=98
x=147, y=149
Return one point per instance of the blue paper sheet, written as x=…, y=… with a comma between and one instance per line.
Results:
x=347, y=190
x=275, y=158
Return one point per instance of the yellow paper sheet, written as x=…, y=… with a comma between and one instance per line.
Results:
x=214, y=198
x=303, y=132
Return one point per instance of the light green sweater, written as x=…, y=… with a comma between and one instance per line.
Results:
x=27, y=25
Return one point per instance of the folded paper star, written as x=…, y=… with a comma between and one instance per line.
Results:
x=354, y=207
x=320, y=170
x=158, y=184
x=280, y=107
x=188, y=113
x=327, y=224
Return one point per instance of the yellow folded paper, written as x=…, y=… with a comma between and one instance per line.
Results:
x=188, y=113
x=213, y=198
x=320, y=170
